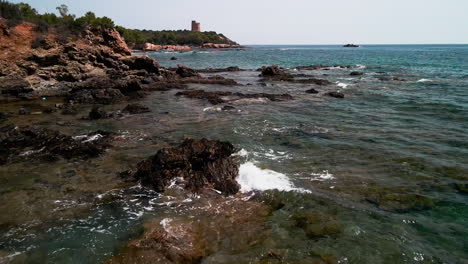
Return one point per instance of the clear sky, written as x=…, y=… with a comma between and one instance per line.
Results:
x=292, y=21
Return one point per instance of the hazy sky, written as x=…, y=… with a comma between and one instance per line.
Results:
x=292, y=21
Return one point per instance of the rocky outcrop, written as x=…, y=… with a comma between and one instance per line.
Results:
x=142, y=63
x=25, y=143
x=153, y=47
x=196, y=164
x=184, y=71
x=96, y=55
x=274, y=72
x=226, y=97
x=220, y=46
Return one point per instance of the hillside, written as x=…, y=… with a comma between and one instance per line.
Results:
x=172, y=37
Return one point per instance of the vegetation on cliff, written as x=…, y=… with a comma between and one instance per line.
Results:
x=68, y=23
x=172, y=37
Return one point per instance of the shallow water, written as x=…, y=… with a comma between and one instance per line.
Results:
x=383, y=164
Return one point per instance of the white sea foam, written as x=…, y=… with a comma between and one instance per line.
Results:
x=325, y=175
x=165, y=224
x=253, y=178
x=359, y=66
x=342, y=85
x=425, y=80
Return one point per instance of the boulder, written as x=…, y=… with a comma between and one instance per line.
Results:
x=197, y=164
x=272, y=70
x=184, y=71
x=173, y=58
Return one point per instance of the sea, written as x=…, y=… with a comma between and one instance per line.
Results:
x=385, y=169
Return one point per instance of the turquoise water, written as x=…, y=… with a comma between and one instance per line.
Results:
x=389, y=163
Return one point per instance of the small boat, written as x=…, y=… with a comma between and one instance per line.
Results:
x=351, y=46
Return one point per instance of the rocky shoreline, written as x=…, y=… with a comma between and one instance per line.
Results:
x=89, y=74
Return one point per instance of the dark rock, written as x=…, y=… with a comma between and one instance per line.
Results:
x=19, y=144
x=272, y=70
x=313, y=81
x=200, y=163
x=228, y=69
x=3, y=117
x=128, y=86
x=216, y=97
x=48, y=60
x=24, y=111
x=136, y=109
x=96, y=96
x=97, y=113
x=355, y=73
x=15, y=87
x=351, y=46
x=184, y=71
x=336, y=94
x=69, y=110
x=228, y=107
x=210, y=80
x=173, y=58
x=312, y=91
x=142, y=63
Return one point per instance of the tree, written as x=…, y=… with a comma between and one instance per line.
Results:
x=63, y=10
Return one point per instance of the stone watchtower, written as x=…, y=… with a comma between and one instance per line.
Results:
x=196, y=26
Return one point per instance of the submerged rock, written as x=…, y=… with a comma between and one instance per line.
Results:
x=33, y=142
x=312, y=91
x=136, y=109
x=97, y=113
x=314, y=81
x=355, y=73
x=316, y=224
x=210, y=227
x=198, y=163
x=336, y=94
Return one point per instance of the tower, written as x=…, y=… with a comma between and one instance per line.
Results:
x=196, y=26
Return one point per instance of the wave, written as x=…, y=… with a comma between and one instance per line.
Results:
x=424, y=80
x=253, y=178
x=342, y=85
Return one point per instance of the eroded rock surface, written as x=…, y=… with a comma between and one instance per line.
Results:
x=17, y=144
